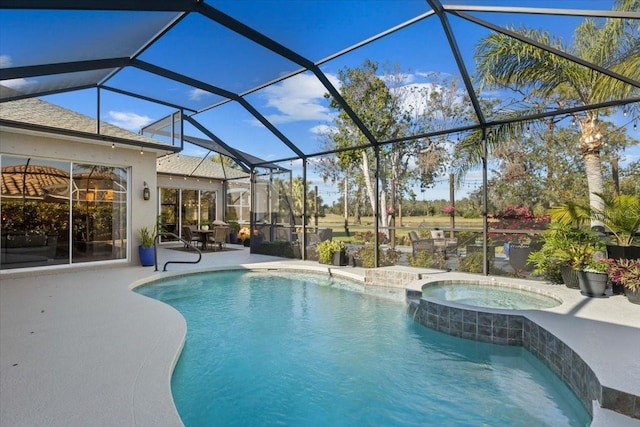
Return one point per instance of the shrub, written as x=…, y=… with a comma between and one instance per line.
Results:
x=367, y=237
x=473, y=263
x=625, y=272
x=517, y=218
x=367, y=255
x=278, y=248
x=424, y=259
x=468, y=238
x=327, y=248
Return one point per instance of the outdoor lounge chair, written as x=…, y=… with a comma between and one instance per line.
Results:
x=420, y=245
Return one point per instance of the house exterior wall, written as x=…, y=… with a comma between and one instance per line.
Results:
x=142, y=168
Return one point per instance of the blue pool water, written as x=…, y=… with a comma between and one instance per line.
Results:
x=281, y=348
x=489, y=296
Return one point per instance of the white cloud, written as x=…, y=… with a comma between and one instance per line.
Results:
x=5, y=61
x=322, y=129
x=299, y=98
x=198, y=94
x=16, y=83
x=405, y=78
x=127, y=120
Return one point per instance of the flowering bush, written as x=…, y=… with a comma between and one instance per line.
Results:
x=244, y=234
x=625, y=272
x=516, y=218
x=449, y=210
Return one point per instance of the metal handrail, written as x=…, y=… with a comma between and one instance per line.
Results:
x=188, y=244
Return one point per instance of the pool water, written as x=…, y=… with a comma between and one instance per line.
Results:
x=489, y=296
x=281, y=348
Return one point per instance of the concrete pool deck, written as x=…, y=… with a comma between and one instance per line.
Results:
x=78, y=347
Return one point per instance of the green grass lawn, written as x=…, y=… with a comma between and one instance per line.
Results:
x=336, y=222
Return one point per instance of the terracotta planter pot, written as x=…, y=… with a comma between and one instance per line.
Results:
x=569, y=276
x=592, y=284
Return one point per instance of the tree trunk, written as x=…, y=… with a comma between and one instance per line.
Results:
x=615, y=174
x=590, y=145
x=346, y=205
x=364, y=165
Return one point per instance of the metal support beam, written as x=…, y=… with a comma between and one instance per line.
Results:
x=304, y=210
x=62, y=68
x=376, y=207
x=485, y=204
x=457, y=55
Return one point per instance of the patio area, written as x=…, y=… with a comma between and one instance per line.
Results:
x=78, y=347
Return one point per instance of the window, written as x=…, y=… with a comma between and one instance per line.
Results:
x=57, y=212
x=238, y=201
x=99, y=213
x=180, y=207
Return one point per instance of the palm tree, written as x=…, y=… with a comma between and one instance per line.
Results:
x=614, y=44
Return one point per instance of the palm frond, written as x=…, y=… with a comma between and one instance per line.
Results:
x=571, y=214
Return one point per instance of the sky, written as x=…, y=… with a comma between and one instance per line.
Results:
x=198, y=48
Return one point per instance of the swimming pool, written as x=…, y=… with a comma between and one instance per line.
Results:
x=283, y=348
x=487, y=295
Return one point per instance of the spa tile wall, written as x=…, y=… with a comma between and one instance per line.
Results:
x=514, y=329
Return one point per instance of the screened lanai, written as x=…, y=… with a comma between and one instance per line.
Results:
x=358, y=119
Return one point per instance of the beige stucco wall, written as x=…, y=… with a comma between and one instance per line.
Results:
x=142, y=168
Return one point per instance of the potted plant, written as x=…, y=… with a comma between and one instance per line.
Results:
x=626, y=272
x=620, y=215
x=204, y=224
x=146, y=251
x=332, y=252
x=593, y=276
x=234, y=228
x=244, y=236
x=563, y=248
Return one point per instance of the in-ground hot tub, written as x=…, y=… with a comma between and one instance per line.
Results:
x=490, y=295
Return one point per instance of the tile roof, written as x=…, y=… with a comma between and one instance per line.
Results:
x=179, y=164
x=32, y=181
x=41, y=113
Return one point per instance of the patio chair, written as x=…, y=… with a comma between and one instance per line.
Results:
x=219, y=237
x=189, y=236
x=443, y=243
x=420, y=245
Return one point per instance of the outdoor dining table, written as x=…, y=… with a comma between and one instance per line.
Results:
x=204, y=237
